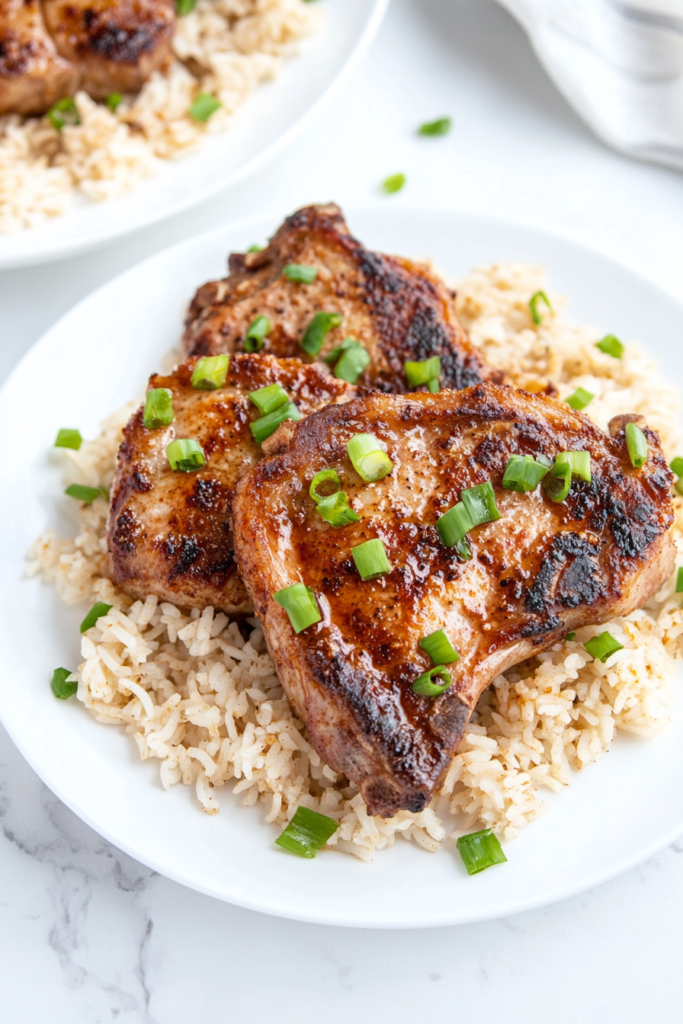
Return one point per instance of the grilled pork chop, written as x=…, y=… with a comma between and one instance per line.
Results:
x=170, y=533
x=397, y=309
x=32, y=74
x=537, y=572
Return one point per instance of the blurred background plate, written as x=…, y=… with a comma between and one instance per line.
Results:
x=270, y=119
x=617, y=812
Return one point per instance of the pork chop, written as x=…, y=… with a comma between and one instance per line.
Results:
x=397, y=309
x=543, y=568
x=170, y=532
x=32, y=74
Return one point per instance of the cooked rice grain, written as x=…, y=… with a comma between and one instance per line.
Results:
x=206, y=702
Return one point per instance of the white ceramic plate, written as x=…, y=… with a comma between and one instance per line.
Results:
x=618, y=811
x=271, y=118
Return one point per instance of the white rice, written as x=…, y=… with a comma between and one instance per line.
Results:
x=223, y=47
x=205, y=702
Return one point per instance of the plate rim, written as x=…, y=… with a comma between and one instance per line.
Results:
x=249, y=902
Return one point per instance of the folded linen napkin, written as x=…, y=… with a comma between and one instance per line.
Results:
x=619, y=64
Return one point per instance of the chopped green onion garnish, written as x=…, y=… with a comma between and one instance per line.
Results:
x=322, y=477
x=203, y=106
x=579, y=399
x=477, y=505
x=270, y=398
x=351, y=359
x=480, y=850
x=63, y=112
x=371, y=559
x=433, y=385
x=571, y=636
x=114, y=99
x=369, y=459
x=453, y=527
x=636, y=442
x=558, y=481
x=424, y=685
x=533, y=306
x=677, y=466
x=300, y=273
x=86, y=494
x=210, y=372
x=679, y=581
x=300, y=604
x=307, y=832
x=95, y=613
x=439, y=648
x=602, y=646
x=579, y=463
x=256, y=332
x=317, y=331
x=158, y=408
x=184, y=6
x=611, y=346
x=523, y=474
x=336, y=510
x=424, y=372
x=263, y=427
x=60, y=687
x=441, y=126
x=480, y=503
x=394, y=183
x=255, y=248
x=185, y=454
x=68, y=438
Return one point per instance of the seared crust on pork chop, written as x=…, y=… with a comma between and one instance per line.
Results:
x=32, y=74
x=542, y=569
x=170, y=533
x=397, y=309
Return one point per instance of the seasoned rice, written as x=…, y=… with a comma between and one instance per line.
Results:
x=223, y=47
x=205, y=701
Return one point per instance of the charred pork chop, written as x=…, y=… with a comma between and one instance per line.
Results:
x=543, y=568
x=170, y=532
x=398, y=310
x=32, y=74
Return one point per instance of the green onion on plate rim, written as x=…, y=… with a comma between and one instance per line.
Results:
x=307, y=832
x=480, y=850
x=441, y=126
x=61, y=686
x=68, y=438
x=394, y=183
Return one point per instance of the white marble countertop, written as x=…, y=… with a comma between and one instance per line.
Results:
x=88, y=935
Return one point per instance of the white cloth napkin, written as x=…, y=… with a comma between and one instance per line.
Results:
x=619, y=64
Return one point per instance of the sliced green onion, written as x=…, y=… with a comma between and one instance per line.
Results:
x=320, y=478
x=114, y=99
x=255, y=248
x=369, y=459
x=636, y=442
x=95, y=613
x=158, y=408
x=60, y=687
x=579, y=463
x=351, y=358
x=453, y=527
x=63, y=112
x=439, y=648
x=679, y=581
x=300, y=273
x=86, y=494
x=185, y=454
x=68, y=438
x=307, y=832
x=184, y=6
x=371, y=559
x=677, y=466
x=424, y=685
x=336, y=510
x=533, y=306
x=441, y=126
x=433, y=385
x=210, y=372
x=611, y=346
x=571, y=636
x=480, y=850
x=300, y=604
x=256, y=332
x=523, y=474
x=602, y=646
x=270, y=398
x=203, y=106
x=480, y=503
x=263, y=427
x=424, y=372
x=558, y=481
x=394, y=183
x=579, y=399
x=317, y=331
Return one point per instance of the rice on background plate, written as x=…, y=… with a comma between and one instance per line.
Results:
x=223, y=47
x=196, y=695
